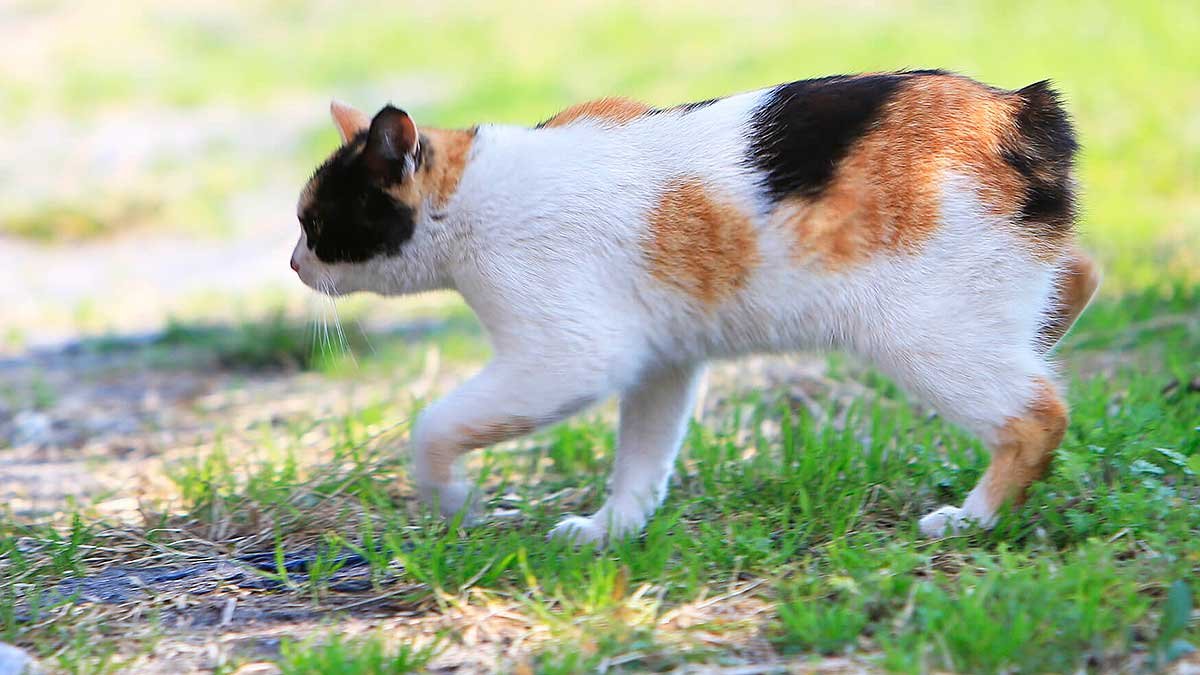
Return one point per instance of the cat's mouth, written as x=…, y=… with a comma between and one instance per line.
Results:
x=320, y=282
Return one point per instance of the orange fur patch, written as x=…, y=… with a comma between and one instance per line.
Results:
x=1078, y=283
x=616, y=110
x=450, y=149
x=441, y=459
x=437, y=180
x=699, y=243
x=496, y=432
x=444, y=453
x=885, y=193
x=1025, y=447
x=407, y=191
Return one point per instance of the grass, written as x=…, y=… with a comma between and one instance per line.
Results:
x=279, y=340
x=374, y=655
x=789, y=531
x=47, y=223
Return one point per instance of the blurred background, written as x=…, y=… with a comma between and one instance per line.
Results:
x=151, y=152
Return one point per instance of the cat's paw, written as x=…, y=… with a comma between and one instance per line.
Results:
x=948, y=520
x=451, y=499
x=580, y=531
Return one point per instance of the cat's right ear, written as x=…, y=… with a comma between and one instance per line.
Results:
x=349, y=120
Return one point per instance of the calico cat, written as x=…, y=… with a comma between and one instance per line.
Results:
x=919, y=220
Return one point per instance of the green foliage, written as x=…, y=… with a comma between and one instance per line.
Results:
x=826, y=628
x=1177, y=613
x=1017, y=612
x=275, y=342
x=375, y=655
x=58, y=223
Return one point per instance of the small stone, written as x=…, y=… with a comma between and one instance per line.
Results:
x=30, y=427
x=15, y=661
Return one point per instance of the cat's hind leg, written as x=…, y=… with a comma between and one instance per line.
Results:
x=654, y=414
x=1077, y=280
x=991, y=378
x=1022, y=446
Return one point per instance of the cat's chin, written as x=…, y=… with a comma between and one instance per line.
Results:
x=326, y=280
x=336, y=288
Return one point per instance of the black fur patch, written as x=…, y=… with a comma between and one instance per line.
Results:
x=350, y=218
x=1044, y=154
x=805, y=128
x=684, y=107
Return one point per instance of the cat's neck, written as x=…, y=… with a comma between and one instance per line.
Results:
x=510, y=173
x=444, y=156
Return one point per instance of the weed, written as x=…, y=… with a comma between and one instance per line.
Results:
x=375, y=655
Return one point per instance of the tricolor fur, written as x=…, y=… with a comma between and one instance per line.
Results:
x=919, y=220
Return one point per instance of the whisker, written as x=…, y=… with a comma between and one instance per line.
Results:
x=326, y=347
x=312, y=330
x=314, y=327
x=337, y=322
x=363, y=332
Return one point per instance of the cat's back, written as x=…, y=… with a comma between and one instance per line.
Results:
x=788, y=209
x=868, y=165
x=853, y=166
x=795, y=209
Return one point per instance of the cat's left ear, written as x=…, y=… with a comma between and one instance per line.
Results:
x=392, y=143
x=348, y=119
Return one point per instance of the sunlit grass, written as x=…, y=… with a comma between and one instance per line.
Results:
x=801, y=531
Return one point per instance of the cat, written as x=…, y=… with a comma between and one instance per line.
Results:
x=920, y=220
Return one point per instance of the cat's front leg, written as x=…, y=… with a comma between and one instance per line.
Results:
x=654, y=416
x=507, y=399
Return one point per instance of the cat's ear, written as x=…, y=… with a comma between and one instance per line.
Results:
x=349, y=120
x=392, y=142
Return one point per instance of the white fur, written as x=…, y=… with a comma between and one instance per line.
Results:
x=543, y=240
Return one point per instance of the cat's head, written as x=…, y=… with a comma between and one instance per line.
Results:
x=361, y=208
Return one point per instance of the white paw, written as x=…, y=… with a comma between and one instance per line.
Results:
x=580, y=531
x=451, y=499
x=950, y=520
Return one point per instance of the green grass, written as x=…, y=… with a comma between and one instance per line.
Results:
x=49, y=223
x=816, y=520
x=373, y=656
x=334, y=344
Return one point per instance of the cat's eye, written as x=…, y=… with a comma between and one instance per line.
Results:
x=311, y=225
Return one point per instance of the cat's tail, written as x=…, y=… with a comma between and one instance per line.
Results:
x=1078, y=279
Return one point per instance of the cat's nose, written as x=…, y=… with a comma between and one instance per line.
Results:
x=295, y=265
